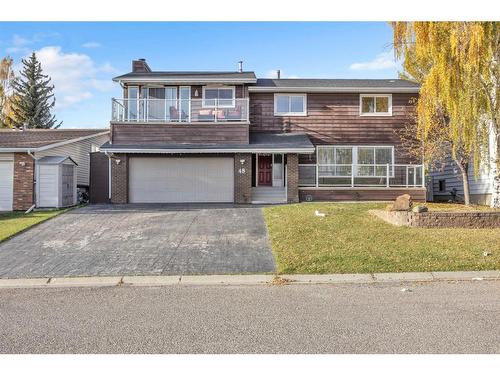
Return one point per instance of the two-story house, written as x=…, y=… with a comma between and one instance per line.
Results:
x=231, y=137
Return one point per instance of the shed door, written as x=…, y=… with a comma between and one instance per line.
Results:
x=177, y=180
x=48, y=180
x=68, y=186
x=6, y=184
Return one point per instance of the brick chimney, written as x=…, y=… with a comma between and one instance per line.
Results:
x=140, y=66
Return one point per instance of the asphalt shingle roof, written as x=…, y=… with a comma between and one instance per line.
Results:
x=335, y=83
x=34, y=138
x=258, y=141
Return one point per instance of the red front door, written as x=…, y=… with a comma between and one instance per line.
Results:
x=265, y=170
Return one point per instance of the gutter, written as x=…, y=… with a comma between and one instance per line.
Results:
x=361, y=90
x=109, y=174
x=17, y=149
x=137, y=80
x=52, y=145
x=211, y=151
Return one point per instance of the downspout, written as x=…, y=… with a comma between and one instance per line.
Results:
x=34, y=184
x=109, y=175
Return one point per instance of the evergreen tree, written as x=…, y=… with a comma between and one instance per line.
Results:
x=34, y=97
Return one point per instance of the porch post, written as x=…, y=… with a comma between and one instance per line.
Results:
x=119, y=178
x=242, y=178
x=292, y=178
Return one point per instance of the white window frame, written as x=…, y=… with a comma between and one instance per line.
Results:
x=389, y=110
x=204, y=105
x=303, y=96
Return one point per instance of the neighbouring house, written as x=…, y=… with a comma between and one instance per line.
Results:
x=446, y=184
x=231, y=137
x=25, y=154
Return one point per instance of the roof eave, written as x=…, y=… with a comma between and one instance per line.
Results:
x=139, y=80
x=17, y=149
x=388, y=90
x=51, y=145
x=298, y=150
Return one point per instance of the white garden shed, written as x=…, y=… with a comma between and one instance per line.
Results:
x=56, y=184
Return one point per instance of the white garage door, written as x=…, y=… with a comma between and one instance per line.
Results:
x=177, y=180
x=6, y=184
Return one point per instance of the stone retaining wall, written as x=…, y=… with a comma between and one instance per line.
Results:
x=471, y=219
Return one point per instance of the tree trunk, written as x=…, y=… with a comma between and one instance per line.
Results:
x=495, y=194
x=464, y=168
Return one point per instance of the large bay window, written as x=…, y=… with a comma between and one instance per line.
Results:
x=358, y=166
x=360, y=161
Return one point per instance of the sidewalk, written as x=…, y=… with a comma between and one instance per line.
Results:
x=98, y=281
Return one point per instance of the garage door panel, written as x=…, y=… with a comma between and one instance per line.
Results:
x=177, y=180
x=6, y=185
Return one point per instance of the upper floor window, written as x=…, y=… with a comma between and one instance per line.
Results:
x=219, y=96
x=290, y=104
x=375, y=105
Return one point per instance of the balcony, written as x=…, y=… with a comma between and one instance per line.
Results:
x=179, y=110
x=361, y=175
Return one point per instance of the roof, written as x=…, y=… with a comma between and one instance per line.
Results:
x=54, y=160
x=185, y=76
x=338, y=85
x=259, y=142
x=32, y=139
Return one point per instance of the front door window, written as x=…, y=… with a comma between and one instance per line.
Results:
x=265, y=170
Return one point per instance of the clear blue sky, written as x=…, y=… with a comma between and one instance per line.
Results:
x=82, y=57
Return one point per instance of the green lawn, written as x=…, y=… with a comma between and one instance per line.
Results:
x=350, y=240
x=15, y=222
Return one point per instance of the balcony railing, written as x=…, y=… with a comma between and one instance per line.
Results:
x=179, y=110
x=361, y=175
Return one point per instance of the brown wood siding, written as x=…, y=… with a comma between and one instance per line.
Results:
x=334, y=119
x=129, y=134
x=350, y=194
x=99, y=178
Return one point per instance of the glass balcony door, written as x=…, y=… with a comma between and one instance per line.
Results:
x=171, y=104
x=185, y=103
x=132, y=107
x=156, y=104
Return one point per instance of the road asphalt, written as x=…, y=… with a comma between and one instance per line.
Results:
x=403, y=317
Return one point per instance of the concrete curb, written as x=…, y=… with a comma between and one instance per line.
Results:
x=368, y=278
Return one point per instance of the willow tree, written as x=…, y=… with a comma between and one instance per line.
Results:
x=457, y=64
x=6, y=96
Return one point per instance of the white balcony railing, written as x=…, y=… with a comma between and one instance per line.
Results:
x=361, y=175
x=179, y=110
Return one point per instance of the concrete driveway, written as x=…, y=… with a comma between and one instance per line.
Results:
x=142, y=240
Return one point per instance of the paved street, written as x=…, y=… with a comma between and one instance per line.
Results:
x=142, y=240
x=436, y=317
